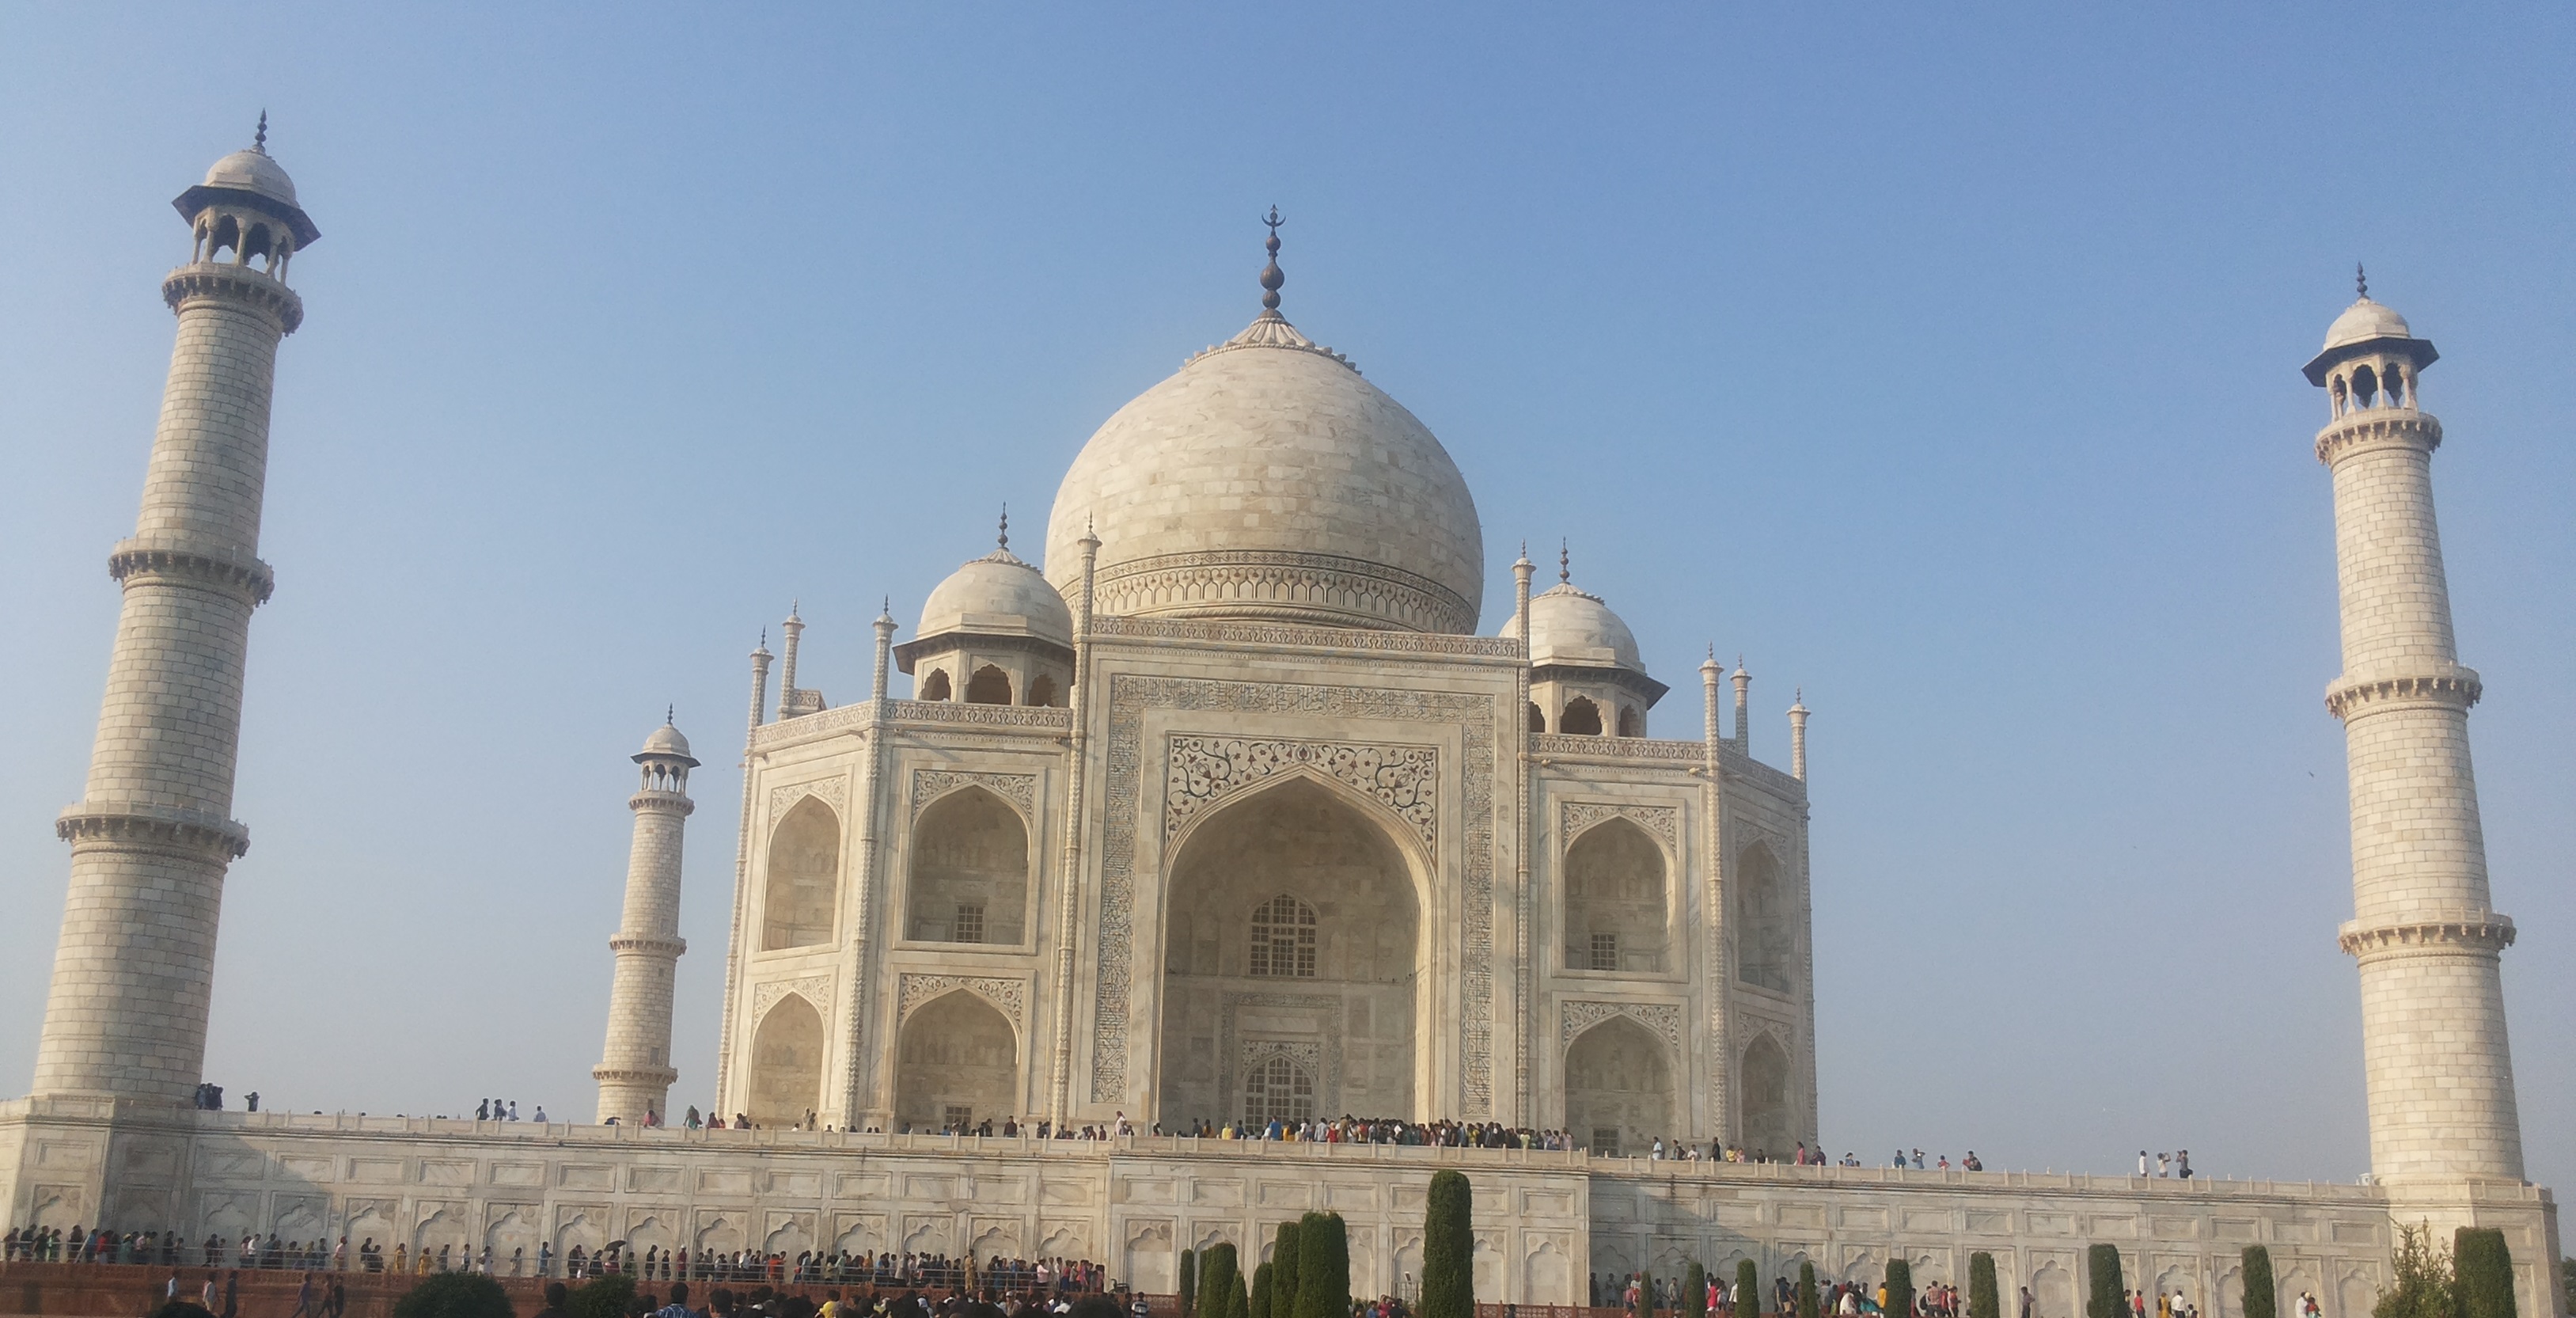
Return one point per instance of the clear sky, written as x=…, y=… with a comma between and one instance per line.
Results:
x=1942, y=360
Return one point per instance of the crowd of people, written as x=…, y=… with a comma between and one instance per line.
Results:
x=1842, y=1299
x=38, y=1244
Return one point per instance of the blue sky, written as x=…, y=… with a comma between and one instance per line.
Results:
x=1942, y=361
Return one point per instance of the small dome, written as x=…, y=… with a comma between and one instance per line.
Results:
x=666, y=743
x=1572, y=627
x=252, y=171
x=997, y=595
x=2363, y=321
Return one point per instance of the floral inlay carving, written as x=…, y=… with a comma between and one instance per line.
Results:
x=1202, y=771
x=1011, y=995
x=815, y=989
x=833, y=791
x=1663, y=1018
x=1663, y=821
x=1020, y=789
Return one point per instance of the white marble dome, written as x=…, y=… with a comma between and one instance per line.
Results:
x=997, y=595
x=252, y=171
x=1571, y=626
x=666, y=743
x=1268, y=481
x=2363, y=321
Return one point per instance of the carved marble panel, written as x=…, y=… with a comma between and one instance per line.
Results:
x=1663, y=821
x=1202, y=771
x=1010, y=995
x=1020, y=789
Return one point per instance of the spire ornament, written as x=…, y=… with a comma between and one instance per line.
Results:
x=1564, y=562
x=1004, y=539
x=259, y=142
x=1271, y=278
x=2360, y=280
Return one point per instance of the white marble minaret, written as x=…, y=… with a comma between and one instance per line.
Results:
x=634, y=1072
x=153, y=833
x=2439, y=1073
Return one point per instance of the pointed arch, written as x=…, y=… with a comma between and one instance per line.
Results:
x=1580, y=718
x=989, y=686
x=957, y=1062
x=1763, y=1095
x=1043, y=692
x=1360, y=869
x=935, y=686
x=1632, y=722
x=1764, y=951
x=803, y=886
x=1619, y=1087
x=1617, y=903
x=968, y=871
x=787, y=1063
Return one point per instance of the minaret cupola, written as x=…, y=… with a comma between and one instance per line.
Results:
x=245, y=213
x=2371, y=357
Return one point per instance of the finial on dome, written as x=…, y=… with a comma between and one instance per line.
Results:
x=2360, y=280
x=669, y=712
x=1271, y=278
x=259, y=142
x=1565, y=562
x=1004, y=539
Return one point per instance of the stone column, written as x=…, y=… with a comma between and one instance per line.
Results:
x=635, y=1073
x=2439, y=1072
x=153, y=834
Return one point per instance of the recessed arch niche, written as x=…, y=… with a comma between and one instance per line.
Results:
x=1615, y=900
x=1763, y=1089
x=1619, y=1087
x=804, y=877
x=787, y=1063
x=957, y=1063
x=967, y=877
x=1762, y=943
x=1355, y=1007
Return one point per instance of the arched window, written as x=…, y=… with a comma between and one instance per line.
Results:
x=1283, y=938
x=989, y=686
x=1631, y=722
x=1276, y=1088
x=804, y=879
x=958, y=1062
x=1042, y=692
x=1582, y=718
x=969, y=880
x=2365, y=388
x=1537, y=718
x=1618, y=1087
x=787, y=1063
x=935, y=687
x=1762, y=952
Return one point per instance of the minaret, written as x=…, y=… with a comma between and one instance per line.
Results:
x=153, y=832
x=792, y=630
x=1743, y=708
x=2432, y=1005
x=634, y=1072
x=1798, y=735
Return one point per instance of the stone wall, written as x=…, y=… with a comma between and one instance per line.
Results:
x=1545, y=1221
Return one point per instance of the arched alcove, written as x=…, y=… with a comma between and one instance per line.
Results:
x=1615, y=911
x=1632, y=721
x=804, y=878
x=1763, y=951
x=935, y=686
x=787, y=1063
x=1346, y=1003
x=1043, y=692
x=1537, y=718
x=1618, y=1088
x=1762, y=1087
x=1580, y=717
x=957, y=1063
x=989, y=686
x=969, y=879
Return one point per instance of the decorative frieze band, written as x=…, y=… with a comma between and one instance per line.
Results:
x=815, y=989
x=2459, y=688
x=833, y=791
x=1664, y=1018
x=2377, y=427
x=246, y=579
x=1280, y=633
x=237, y=284
x=1202, y=771
x=1663, y=821
x=1020, y=789
x=1320, y=587
x=187, y=832
x=1009, y=995
x=2482, y=931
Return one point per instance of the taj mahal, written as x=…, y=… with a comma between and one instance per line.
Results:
x=1228, y=805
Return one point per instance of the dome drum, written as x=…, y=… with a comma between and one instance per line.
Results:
x=1646, y=689
x=1282, y=586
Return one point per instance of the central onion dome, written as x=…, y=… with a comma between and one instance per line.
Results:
x=1267, y=481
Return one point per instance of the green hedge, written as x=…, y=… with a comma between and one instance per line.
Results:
x=604, y=1296
x=1283, y=1281
x=2262, y=1294
x=1189, y=1282
x=1748, y=1288
x=2482, y=1273
x=1263, y=1278
x=1449, y=1248
x=1218, y=1281
x=459, y=1295
x=2425, y=1285
x=1982, y=1300
x=1323, y=1267
x=2108, y=1297
x=1695, y=1292
x=1900, y=1289
x=1806, y=1289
